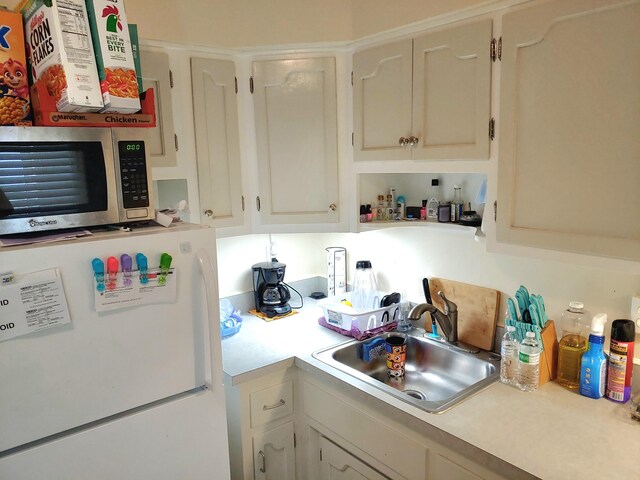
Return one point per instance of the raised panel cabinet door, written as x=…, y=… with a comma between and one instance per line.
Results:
x=217, y=142
x=274, y=454
x=296, y=135
x=569, y=168
x=452, y=92
x=382, y=83
x=156, y=74
x=338, y=464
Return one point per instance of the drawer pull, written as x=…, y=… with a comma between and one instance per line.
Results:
x=263, y=468
x=275, y=405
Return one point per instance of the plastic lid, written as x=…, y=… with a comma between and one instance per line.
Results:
x=576, y=305
x=597, y=324
x=511, y=328
x=531, y=335
x=363, y=264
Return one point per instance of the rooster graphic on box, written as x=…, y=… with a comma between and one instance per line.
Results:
x=113, y=18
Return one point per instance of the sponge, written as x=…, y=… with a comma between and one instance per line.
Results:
x=373, y=349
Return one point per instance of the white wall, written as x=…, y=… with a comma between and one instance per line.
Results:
x=401, y=257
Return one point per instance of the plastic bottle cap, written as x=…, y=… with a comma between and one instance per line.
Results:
x=576, y=305
x=511, y=328
x=597, y=324
x=529, y=334
x=363, y=264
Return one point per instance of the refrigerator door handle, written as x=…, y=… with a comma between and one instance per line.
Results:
x=213, y=328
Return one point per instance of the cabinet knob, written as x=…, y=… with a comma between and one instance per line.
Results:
x=208, y=213
x=403, y=142
x=333, y=207
x=413, y=141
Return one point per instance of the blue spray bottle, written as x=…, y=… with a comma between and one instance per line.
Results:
x=593, y=365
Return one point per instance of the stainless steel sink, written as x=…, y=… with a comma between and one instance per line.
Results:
x=437, y=375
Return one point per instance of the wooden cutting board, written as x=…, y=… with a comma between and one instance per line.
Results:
x=477, y=310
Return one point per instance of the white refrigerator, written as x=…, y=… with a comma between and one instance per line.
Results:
x=131, y=393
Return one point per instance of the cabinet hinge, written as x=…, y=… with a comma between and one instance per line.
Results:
x=170, y=78
x=236, y=80
x=352, y=79
x=243, y=203
x=492, y=128
x=320, y=454
x=352, y=140
x=294, y=440
x=495, y=211
x=175, y=141
x=496, y=49
x=251, y=84
x=258, y=203
x=500, y=49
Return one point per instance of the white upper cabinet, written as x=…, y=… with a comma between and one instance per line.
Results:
x=162, y=141
x=296, y=139
x=425, y=99
x=569, y=168
x=217, y=143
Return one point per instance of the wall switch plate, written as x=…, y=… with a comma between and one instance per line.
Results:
x=635, y=311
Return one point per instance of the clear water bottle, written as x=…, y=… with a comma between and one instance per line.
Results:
x=529, y=363
x=365, y=294
x=509, y=361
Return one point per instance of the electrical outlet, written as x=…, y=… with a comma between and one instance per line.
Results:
x=635, y=310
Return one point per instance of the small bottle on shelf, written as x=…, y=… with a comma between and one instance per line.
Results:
x=380, y=209
x=432, y=204
x=456, y=204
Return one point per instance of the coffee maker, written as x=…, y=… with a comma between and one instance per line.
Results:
x=270, y=292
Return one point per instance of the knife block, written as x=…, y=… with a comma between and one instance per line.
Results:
x=549, y=356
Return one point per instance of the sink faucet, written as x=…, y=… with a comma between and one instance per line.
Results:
x=448, y=320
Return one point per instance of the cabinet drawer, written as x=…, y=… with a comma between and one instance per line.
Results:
x=271, y=403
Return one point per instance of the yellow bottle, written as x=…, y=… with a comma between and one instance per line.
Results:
x=572, y=345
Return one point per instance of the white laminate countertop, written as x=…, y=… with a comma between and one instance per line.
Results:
x=551, y=433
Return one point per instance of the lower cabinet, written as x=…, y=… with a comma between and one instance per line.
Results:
x=274, y=454
x=261, y=428
x=338, y=464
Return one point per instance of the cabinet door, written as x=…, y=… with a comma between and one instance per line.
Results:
x=452, y=92
x=382, y=79
x=217, y=142
x=338, y=464
x=157, y=75
x=274, y=454
x=296, y=135
x=568, y=172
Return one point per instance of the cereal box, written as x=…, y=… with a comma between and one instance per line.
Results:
x=61, y=53
x=15, y=107
x=112, y=44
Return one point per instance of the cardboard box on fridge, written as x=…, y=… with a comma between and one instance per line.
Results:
x=114, y=56
x=61, y=53
x=15, y=105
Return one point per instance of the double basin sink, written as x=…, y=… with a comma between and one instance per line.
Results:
x=437, y=375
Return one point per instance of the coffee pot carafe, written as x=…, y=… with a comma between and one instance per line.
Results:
x=270, y=292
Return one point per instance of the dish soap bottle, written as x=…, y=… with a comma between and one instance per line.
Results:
x=593, y=363
x=572, y=345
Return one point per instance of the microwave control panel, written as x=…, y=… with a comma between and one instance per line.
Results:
x=133, y=174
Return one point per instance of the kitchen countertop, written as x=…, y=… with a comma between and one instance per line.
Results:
x=551, y=433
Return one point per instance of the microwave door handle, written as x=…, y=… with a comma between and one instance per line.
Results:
x=212, y=320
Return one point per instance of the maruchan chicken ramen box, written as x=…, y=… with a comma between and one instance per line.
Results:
x=15, y=106
x=61, y=54
x=116, y=67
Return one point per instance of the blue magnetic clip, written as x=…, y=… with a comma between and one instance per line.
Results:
x=98, y=273
x=143, y=267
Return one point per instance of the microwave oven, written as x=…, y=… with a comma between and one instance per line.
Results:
x=55, y=178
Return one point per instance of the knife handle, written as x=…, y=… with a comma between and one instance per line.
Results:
x=427, y=293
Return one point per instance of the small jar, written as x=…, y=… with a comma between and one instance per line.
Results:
x=444, y=212
x=363, y=214
x=369, y=213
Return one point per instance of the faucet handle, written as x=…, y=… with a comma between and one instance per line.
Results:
x=449, y=306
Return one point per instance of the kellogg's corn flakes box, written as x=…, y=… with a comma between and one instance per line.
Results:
x=61, y=53
x=116, y=67
x=15, y=106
